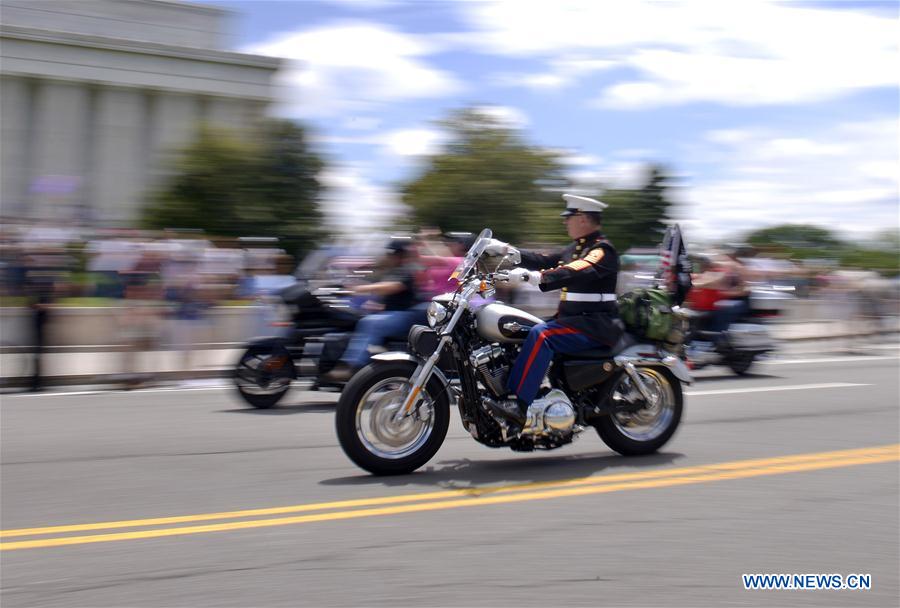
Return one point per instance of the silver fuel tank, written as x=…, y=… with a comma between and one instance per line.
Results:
x=501, y=323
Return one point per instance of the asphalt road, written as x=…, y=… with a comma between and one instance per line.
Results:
x=806, y=481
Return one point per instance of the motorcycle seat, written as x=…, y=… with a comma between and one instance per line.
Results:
x=604, y=352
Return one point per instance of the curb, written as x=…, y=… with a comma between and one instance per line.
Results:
x=118, y=378
x=225, y=372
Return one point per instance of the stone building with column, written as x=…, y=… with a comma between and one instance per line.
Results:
x=95, y=95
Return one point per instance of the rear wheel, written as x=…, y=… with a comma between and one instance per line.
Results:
x=366, y=429
x=263, y=375
x=646, y=430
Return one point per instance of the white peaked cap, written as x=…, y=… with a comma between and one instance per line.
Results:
x=574, y=204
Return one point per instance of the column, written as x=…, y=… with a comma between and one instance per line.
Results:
x=226, y=113
x=16, y=135
x=61, y=118
x=175, y=119
x=118, y=168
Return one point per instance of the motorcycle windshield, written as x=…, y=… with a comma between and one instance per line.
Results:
x=468, y=263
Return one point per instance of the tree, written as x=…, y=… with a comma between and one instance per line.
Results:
x=800, y=242
x=804, y=240
x=487, y=176
x=229, y=187
x=636, y=218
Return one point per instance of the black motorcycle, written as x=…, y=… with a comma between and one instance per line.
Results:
x=393, y=415
x=321, y=324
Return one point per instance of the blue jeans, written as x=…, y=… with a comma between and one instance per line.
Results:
x=374, y=330
x=544, y=339
x=726, y=313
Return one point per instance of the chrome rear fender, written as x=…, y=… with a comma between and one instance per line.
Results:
x=648, y=355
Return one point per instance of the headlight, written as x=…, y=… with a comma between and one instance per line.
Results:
x=435, y=313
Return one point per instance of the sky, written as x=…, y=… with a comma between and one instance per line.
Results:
x=766, y=112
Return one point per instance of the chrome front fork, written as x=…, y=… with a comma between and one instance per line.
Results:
x=419, y=379
x=423, y=372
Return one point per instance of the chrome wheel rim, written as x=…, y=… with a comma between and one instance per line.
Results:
x=652, y=420
x=253, y=378
x=376, y=428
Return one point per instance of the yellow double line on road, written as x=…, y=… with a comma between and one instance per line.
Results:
x=447, y=499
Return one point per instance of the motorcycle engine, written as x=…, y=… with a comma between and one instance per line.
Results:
x=552, y=415
x=493, y=368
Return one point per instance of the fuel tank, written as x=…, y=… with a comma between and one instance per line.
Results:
x=501, y=323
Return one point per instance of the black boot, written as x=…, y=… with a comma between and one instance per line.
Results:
x=511, y=408
x=339, y=374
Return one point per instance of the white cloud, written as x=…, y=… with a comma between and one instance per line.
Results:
x=353, y=202
x=562, y=72
x=413, y=142
x=399, y=143
x=734, y=53
x=845, y=177
x=538, y=82
x=616, y=175
x=577, y=160
x=505, y=115
x=350, y=68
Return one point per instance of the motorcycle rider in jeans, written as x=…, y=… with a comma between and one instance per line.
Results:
x=585, y=272
x=397, y=290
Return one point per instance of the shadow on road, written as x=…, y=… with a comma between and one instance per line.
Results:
x=466, y=473
x=731, y=376
x=286, y=410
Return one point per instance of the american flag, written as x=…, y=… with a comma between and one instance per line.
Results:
x=674, y=268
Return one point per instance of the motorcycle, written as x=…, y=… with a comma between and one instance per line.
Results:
x=745, y=340
x=322, y=322
x=393, y=415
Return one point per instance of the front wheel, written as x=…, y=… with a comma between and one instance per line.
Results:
x=646, y=430
x=365, y=426
x=264, y=374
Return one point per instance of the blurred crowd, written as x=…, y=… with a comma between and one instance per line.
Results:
x=163, y=284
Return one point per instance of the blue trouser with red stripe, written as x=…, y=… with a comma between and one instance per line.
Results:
x=543, y=341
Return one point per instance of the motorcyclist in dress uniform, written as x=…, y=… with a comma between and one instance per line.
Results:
x=585, y=273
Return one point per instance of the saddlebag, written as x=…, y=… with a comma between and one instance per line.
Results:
x=583, y=374
x=647, y=313
x=749, y=337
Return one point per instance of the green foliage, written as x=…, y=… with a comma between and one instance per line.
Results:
x=226, y=186
x=544, y=224
x=886, y=262
x=635, y=218
x=488, y=176
x=795, y=237
x=802, y=242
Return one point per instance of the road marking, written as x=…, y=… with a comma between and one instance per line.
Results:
x=121, y=392
x=176, y=389
x=458, y=498
x=765, y=389
x=859, y=358
x=476, y=491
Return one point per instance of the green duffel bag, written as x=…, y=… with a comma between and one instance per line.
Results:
x=647, y=313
